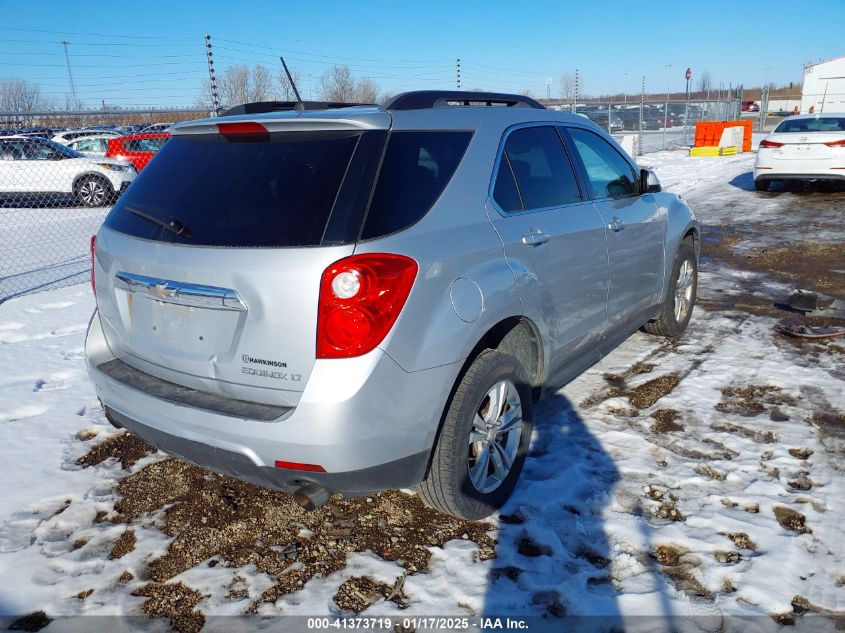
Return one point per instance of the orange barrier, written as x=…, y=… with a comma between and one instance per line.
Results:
x=709, y=133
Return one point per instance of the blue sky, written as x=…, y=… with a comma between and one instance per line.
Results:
x=152, y=53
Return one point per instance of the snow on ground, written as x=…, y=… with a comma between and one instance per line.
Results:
x=685, y=479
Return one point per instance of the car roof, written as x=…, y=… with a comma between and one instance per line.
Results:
x=814, y=115
x=371, y=117
x=141, y=135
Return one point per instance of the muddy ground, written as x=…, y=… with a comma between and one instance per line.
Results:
x=213, y=521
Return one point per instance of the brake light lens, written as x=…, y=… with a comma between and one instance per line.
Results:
x=93, y=244
x=246, y=131
x=765, y=143
x=360, y=299
x=840, y=143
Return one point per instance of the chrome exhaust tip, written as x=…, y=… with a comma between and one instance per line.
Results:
x=310, y=496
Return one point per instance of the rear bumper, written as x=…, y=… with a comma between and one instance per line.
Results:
x=367, y=422
x=765, y=175
x=401, y=473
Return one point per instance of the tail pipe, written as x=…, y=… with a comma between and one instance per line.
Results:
x=311, y=496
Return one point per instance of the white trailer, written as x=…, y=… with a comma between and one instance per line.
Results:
x=824, y=86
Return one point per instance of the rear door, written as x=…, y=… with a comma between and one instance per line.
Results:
x=636, y=226
x=554, y=240
x=208, y=268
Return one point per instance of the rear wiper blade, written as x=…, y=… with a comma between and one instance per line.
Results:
x=173, y=225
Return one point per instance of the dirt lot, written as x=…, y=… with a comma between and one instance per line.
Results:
x=700, y=477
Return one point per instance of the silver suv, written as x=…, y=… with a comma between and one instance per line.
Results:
x=328, y=299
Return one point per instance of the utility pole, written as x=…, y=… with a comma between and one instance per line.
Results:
x=625, y=90
x=458, y=72
x=669, y=68
x=577, y=82
x=215, y=98
x=70, y=75
x=686, y=109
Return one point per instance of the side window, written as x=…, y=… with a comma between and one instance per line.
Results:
x=541, y=168
x=504, y=191
x=416, y=168
x=610, y=175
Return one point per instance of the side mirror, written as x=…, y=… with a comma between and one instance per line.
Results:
x=649, y=182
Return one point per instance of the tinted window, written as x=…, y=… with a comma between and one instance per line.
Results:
x=144, y=144
x=541, y=167
x=610, y=175
x=276, y=192
x=821, y=124
x=504, y=191
x=416, y=168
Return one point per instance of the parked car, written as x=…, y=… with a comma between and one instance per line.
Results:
x=630, y=118
x=599, y=117
x=138, y=149
x=157, y=127
x=69, y=135
x=351, y=302
x=93, y=145
x=31, y=167
x=802, y=147
x=750, y=106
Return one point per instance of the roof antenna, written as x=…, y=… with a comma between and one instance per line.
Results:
x=300, y=106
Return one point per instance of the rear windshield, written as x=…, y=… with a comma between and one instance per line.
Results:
x=820, y=124
x=225, y=193
x=293, y=189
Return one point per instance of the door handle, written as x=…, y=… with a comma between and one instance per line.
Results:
x=616, y=224
x=535, y=237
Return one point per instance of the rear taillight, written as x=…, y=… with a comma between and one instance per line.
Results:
x=93, y=244
x=765, y=143
x=836, y=143
x=360, y=299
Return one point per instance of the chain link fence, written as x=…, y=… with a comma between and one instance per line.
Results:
x=655, y=125
x=61, y=172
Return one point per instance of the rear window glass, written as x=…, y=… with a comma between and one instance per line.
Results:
x=820, y=124
x=215, y=192
x=416, y=167
x=144, y=144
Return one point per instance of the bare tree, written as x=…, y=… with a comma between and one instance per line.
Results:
x=366, y=91
x=527, y=93
x=338, y=84
x=705, y=83
x=20, y=95
x=237, y=85
x=567, y=85
x=286, y=91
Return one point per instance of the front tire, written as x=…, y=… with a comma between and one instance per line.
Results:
x=93, y=191
x=676, y=309
x=484, y=439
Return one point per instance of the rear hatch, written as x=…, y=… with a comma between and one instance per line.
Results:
x=816, y=138
x=208, y=269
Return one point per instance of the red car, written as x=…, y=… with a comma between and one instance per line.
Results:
x=750, y=106
x=138, y=149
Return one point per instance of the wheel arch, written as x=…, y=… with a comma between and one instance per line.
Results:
x=515, y=335
x=85, y=174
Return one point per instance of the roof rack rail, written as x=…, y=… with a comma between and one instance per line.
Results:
x=426, y=99
x=258, y=107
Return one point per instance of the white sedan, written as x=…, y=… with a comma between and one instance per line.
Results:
x=41, y=169
x=802, y=147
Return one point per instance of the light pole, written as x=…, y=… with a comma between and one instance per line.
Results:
x=669, y=68
x=625, y=90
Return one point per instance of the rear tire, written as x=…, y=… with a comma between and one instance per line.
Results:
x=93, y=191
x=761, y=185
x=482, y=447
x=676, y=309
